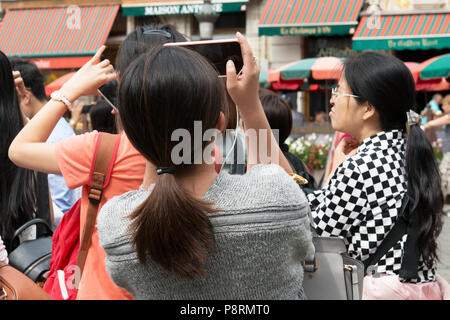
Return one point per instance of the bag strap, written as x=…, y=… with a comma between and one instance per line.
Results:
x=102, y=164
x=396, y=233
x=35, y=221
x=43, y=204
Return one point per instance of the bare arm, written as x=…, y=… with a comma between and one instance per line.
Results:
x=29, y=149
x=438, y=122
x=262, y=146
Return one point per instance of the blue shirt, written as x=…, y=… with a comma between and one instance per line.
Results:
x=433, y=107
x=62, y=196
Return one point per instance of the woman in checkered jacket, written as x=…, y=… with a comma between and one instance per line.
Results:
x=374, y=170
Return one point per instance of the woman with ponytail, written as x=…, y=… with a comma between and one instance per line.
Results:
x=194, y=233
x=18, y=186
x=387, y=163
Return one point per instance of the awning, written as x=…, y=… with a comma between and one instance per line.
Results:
x=263, y=82
x=436, y=67
x=171, y=7
x=66, y=37
x=323, y=68
x=403, y=32
x=58, y=83
x=443, y=85
x=309, y=17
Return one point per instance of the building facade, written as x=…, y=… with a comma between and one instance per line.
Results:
x=61, y=35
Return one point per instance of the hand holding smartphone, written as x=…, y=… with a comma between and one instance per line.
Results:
x=218, y=52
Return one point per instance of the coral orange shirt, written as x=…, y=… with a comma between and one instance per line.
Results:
x=74, y=156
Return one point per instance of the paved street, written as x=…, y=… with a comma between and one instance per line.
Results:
x=444, y=248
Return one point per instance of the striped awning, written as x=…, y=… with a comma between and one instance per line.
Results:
x=323, y=68
x=309, y=17
x=403, y=32
x=62, y=33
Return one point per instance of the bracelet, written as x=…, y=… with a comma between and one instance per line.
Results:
x=72, y=122
x=58, y=96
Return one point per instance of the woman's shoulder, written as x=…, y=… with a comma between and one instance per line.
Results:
x=113, y=220
x=263, y=187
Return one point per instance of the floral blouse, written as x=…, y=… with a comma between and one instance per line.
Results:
x=3, y=253
x=362, y=200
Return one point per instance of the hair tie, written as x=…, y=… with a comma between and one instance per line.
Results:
x=162, y=170
x=413, y=118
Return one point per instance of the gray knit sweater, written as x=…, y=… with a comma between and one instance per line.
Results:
x=262, y=235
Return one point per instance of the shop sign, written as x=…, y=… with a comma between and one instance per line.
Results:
x=412, y=43
x=161, y=10
x=436, y=43
x=322, y=30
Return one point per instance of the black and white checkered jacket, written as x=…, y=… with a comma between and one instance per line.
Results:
x=362, y=199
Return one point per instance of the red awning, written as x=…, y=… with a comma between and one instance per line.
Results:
x=56, y=37
x=58, y=83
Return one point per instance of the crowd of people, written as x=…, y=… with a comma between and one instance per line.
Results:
x=190, y=230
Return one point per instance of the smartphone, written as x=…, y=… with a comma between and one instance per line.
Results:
x=111, y=86
x=218, y=52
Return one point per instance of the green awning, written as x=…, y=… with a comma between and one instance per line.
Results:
x=159, y=8
x=263, y=82
x=436, y=67
x=309, y=17
x=323, y=68
x=403, y=32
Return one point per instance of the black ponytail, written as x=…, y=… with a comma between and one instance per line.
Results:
x=162, y=91
x=424, y=187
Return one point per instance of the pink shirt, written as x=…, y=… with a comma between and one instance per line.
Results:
x=74, y=156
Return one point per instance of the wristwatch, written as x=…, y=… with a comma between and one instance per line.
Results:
x=58, y=96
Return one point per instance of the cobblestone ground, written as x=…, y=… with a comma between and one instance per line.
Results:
x=443, y=267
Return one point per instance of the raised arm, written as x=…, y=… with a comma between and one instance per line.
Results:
x=445, y=119
x=262, y=146
x=28, y=149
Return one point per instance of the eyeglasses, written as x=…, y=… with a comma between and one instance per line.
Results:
x=336, y=93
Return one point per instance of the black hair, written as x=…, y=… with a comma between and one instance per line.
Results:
x=110, y=91
x=387, y=84
x=101, y=117
x=164, y=90
x=31, y=75
x=18, y=195
x=278, y=113
x=143, y=39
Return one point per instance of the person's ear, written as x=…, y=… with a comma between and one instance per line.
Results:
x=220, y=125
x=369, y=111
x=26, y=98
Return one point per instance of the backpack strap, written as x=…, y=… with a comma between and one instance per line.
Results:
x=102, y=164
